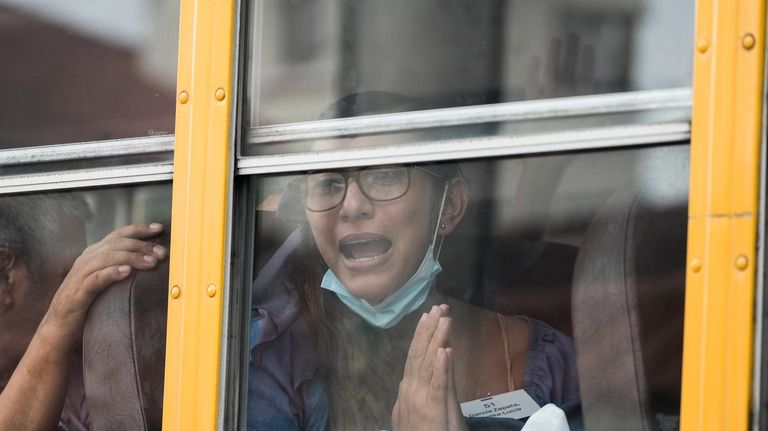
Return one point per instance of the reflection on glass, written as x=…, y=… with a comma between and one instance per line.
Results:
x=80, y=70
x=116, y=340
x=306, y=54
x=370, y=104
x=535, y=259
x=38, y=167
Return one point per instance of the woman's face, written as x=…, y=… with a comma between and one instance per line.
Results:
x=375, y=247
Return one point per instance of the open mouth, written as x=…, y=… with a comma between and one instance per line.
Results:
x=366, y=247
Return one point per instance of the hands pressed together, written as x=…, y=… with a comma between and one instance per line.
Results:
x=427, y=398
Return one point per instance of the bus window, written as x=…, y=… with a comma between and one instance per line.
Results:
x=81, y=71
x=490, y=194
x=507, y=283
x=111, y=349
x=304, y=55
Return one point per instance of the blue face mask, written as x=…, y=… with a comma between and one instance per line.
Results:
x=391, y=310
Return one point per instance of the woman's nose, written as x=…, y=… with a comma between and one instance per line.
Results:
x=355, y=204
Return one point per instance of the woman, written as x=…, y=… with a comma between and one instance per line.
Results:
x=391, y=351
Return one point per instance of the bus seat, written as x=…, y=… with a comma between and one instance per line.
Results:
x=124, y=351
x=531, y=278
x=628, y=304
x=510, y=276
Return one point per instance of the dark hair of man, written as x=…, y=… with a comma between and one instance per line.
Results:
x=30, y=225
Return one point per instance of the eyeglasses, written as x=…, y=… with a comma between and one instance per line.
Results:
x=327, y=190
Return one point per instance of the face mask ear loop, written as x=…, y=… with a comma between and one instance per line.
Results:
x=437, y=225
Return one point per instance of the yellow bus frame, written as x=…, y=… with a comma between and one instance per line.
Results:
x=726, y=132
x=202, y=181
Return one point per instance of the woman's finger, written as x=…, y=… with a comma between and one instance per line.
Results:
x=456, y=420
x=437, y=396
x=396, y=412
x=439, y=339
x=420, y=343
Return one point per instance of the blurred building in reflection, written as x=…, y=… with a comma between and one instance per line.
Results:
x=306, y=54
x=83, y=71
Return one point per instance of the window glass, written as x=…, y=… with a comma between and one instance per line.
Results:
x=117, y=341
x=564, y=276
x=80, y=70
x=303, y=55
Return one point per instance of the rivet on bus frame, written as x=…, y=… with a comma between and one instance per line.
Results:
x=703, y=45
x=696, y=265
x=742, y=262
x=748, y=41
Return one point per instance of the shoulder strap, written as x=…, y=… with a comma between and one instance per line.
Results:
x=507, y=358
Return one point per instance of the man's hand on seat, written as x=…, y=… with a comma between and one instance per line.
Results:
x=108, y=261
x=38, y=385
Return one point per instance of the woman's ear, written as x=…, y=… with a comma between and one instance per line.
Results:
x=456, y=200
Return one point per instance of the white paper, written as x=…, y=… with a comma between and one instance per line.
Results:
x=549, y=418
x=516, y=405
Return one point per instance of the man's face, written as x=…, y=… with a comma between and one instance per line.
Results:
x=31, y=291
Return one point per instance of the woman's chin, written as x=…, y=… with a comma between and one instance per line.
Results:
x=370, y=290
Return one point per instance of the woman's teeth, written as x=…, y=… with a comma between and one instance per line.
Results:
x=365, y=249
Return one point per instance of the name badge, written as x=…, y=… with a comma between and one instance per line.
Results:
x=516, y=405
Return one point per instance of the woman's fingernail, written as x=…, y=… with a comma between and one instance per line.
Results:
x=159, y=251
x=149, y=259
x=440, y=352
x=155, y=226
x=124, y=269
x=423, y=317
x=445, y=307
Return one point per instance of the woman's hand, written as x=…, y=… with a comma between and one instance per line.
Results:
x=427, y=398
x=106, y=262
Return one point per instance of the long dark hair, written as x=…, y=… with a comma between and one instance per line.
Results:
x=359, y=365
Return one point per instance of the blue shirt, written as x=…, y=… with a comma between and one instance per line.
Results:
x=285, y=394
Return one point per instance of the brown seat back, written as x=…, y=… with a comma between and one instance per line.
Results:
x=124, y=351
x=628, y=303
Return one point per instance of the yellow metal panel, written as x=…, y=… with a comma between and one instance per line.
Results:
x=200, y=186
x=720, y=284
